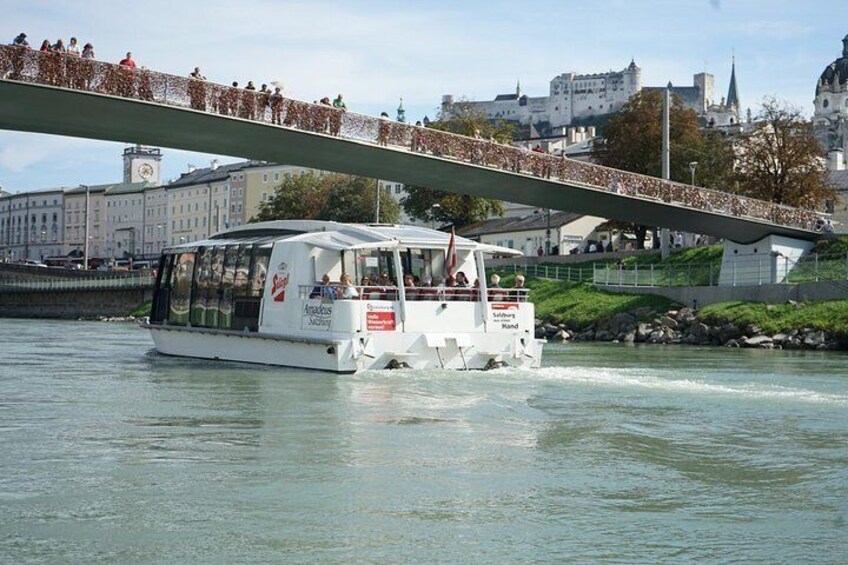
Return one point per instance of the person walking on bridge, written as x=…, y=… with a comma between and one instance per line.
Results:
x=276, y=101
x=339, y=103
x=128, y=61
x=20, y=40
x=197, y=89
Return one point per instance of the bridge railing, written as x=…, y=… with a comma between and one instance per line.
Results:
x=77, y=284
x=70, y=71
x=752, y=268
x=832, y=267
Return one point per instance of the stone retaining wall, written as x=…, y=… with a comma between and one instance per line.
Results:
x=72, y=304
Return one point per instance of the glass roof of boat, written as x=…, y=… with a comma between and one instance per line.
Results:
x=340, y=236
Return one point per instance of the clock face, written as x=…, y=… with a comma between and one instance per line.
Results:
x=145, y=171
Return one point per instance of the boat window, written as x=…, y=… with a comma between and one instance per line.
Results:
x=418, y=263
x=213, y=297
x=373, y=263
x=162, y=295
x=181, y=289
x=248, y=286
x=225, y=308
x=240, y=287
x=259, y=270
x=200, y=292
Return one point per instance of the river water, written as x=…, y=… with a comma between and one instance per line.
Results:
x=110, y=453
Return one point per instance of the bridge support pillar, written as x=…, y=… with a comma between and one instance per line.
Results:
x=767, y=261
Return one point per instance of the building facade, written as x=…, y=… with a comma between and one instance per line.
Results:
x=85, y=205
x=831, y=109
x=31, y=225
x=546, y=231
x=125, y=220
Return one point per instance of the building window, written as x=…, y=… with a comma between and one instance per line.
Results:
x=276, y=176
x=265, y=177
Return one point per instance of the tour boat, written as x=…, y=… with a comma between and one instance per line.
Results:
x=255, y=294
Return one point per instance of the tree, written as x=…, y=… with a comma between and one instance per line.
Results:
x=633, y=138
x=298, y=197
x=633, y=142
x=354, y=199
x=781, y=161
x=464, y=119
x=334, y=197
x=431, y=205
x=458, y=209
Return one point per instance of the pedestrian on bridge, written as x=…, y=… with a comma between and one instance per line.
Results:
x=128, y=61
x=20, y=40
x=339, y=103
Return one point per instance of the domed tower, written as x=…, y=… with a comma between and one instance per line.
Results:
x=831, y=103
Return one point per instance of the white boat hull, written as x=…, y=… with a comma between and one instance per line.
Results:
x=366, y=351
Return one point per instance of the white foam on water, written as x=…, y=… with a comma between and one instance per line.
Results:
x=647, y=379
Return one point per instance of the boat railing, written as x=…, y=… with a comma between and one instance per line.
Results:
x=411, y=294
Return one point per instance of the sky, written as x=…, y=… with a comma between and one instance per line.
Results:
x=376, y=52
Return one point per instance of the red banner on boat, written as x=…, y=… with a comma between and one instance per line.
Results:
x=380, y=320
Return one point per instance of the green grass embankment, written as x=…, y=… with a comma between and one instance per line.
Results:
x=828, y=315
x=143, y=310
x=581, y=304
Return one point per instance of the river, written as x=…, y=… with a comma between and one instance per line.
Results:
x=110, y=453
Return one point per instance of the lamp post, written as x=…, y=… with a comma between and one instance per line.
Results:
x=377, y=204
x=26, y=230
x=433, y=209
x=159, y=240
x=692, y=166
x=85, y=242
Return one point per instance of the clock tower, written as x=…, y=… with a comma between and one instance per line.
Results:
x=143, y=164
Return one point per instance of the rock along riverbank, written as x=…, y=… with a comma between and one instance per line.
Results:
x=683, y=326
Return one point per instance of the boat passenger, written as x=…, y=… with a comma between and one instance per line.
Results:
x=462, y=280
x=324, y=290
x=519, y=292
x=495, y=291
x=347, y=289
x=409, y=287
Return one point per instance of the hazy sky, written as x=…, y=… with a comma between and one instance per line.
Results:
x=376, y=51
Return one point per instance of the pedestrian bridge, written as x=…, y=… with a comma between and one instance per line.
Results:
x=59, y=94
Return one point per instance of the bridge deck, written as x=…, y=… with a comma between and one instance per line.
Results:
x=364, y=146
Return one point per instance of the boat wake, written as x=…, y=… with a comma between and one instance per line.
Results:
x=650, y=379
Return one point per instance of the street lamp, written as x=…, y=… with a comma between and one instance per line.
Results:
x=87, y=210
x=433, y=209
x=377, y=204
x=692, y=166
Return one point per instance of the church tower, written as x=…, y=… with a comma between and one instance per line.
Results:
x=732, y=95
